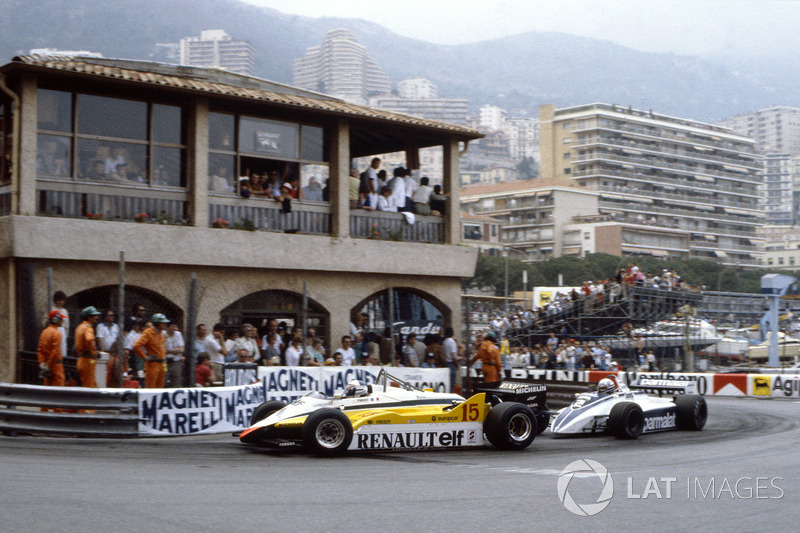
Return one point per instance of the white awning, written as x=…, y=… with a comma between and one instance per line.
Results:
x=704, y=207
x=710, y=238
x=740, y=212
x=659, y=253
x=736, y=169
x=720, y=253
x=703, y=148
x=704, y=178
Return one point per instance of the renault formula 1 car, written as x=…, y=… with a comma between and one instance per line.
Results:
x=394, y=415
x=627, y=412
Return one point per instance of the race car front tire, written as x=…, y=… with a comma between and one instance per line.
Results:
x=626, y=420
x=327, y=432
x=692, y=411
x=265, y=409
x=510, y=426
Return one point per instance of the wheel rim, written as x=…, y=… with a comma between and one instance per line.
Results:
x=520, y=427
x=330, y=434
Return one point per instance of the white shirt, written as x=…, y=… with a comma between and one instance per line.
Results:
x=386, y=204
x=348, y=356
x=411, y=185
x=450, y=349
x=398, y=191
x=423, y=194
x=213, y=348
x=293, y=356
x=173, y=342
x=106, y=335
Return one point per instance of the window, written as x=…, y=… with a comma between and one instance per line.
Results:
x=112, y=140
x=472, y=232
x=266, y=151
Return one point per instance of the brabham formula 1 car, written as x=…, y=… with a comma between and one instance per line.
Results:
x=394, y=415
x=627, y=412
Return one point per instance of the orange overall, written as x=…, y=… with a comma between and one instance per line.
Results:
x=50, y=353
x=489, y=355
x=152, y=343
x=86, y=349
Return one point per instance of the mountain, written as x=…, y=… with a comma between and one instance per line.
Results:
x=518, y=73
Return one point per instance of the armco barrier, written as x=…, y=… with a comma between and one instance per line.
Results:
x=116, y=411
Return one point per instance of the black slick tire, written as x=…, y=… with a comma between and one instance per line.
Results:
x=265, y=409
x=692, y=411
x=327, y=432
x=626, y=420
x=510, y=426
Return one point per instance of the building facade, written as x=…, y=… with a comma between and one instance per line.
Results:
x=341, y=67
x=697, y=181
x=416, y=88
x=155, y=191
x=217, y=49
x=775, y=129
x=450, y=110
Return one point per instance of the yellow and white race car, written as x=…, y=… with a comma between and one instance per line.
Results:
x=390, y=415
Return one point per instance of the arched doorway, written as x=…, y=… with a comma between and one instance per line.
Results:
x=413, y=310
x=284, y=306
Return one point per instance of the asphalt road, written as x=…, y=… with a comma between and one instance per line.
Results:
x=742, y=473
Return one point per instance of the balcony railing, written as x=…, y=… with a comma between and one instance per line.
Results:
x=393, y=226
x=266, y=214
x=110, y=202
x=5, y=200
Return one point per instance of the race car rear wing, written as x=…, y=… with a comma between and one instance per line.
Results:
x=528, y=392
x=664, y=386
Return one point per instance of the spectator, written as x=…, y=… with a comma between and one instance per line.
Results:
x=220, y=181
x=232, y=334
x=214, y=346
x=202, y=372
x=313, y=191
x=433, y=343
x=113, y=161
x=386, y=201
x=438, y=201
x=355, y=186
x=272, y=354
x=247, y=343
x=346, y=351
x=294, y=351
x=429, y=362
x=315, y=353
x=133, y=363
x=137, y=313
x=151, y=347
x=175, y=358
x=201, y=332
x=452, y=357
x=86, y=347
x=49, y=352
x=107, y=332
x=398, y=186
x=410, y=188
x=422, y=196
x=413, y=351
x=368, y=185
x=276, y=343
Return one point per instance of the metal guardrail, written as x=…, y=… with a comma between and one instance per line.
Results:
x=110, y=413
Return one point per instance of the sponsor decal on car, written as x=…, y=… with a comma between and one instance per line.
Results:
x=657, y=423
x=410, y=440
x=523, y=388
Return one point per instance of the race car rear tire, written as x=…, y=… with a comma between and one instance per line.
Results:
x=626, y=420
x=510, y=426
x=265, y=409
x=327, y=432
x=692, y=411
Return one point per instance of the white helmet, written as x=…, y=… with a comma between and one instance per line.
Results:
x=606, y=386
x=355, y=389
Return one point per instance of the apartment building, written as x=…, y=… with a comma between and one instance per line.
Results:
x=217, y=49
x=678, y=187
x=775, y=129
x=341, y=67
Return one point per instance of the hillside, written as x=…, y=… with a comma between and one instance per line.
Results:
x=518, y=73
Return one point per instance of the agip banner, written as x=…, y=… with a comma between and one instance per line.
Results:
x=169, y=412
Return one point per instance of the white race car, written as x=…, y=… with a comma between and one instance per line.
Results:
x=627, y=412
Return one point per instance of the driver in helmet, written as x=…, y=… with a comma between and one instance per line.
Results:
x=606, y=386
x=355, y=389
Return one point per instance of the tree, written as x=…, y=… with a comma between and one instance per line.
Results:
x=528, y=169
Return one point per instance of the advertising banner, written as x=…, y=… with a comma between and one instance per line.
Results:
x=197, y=411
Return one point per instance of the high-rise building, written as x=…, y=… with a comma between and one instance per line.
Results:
x=523, y=137
x=775, y=129
x=777, y=190
x=416, y=88
x=341, y=67
x=215, y=48
x=491, y=117
x=450, y=110
x=656, y=172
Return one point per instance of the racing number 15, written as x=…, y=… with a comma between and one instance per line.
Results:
x=470, y=412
